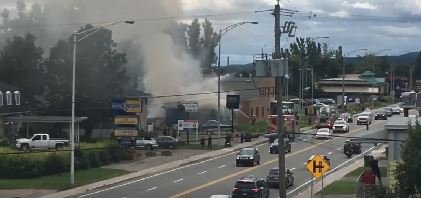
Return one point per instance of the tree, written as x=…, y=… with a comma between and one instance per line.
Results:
x=193, y=35
x=100, y=75
x=22, y=65
x=408, y=172
x=208, y=43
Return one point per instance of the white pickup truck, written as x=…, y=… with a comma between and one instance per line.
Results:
x=40, y=141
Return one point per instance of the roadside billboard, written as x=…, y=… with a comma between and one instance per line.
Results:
x=126, y=120
x=125, y=132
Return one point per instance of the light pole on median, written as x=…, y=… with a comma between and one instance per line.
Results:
x=85, y=34
x=374, y=54
x=343, y=75
x=222, y=32
x=392, y=80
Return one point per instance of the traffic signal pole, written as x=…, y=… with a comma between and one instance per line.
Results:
x=279, y=90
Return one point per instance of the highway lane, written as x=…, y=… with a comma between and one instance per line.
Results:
x=217, y=176
x=331, y=149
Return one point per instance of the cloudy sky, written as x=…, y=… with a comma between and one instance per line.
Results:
x=353, y=24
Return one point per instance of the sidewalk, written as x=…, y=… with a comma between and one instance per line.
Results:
x=338, y=175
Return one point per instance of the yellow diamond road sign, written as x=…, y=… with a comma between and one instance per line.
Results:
x=317, y=166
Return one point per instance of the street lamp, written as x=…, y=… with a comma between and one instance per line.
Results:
x=374, y=54
x=222, y=32
x=392, y=81
x=85, y=34
x=343, y=75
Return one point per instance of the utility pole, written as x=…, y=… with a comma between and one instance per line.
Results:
x=280, y=120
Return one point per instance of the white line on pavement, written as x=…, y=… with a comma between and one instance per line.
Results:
x=339, y=166
x=178, y=180
x=153, y=188
x=338, y=149
x=202, y=172
x=222, y=166
x=329, y=153
x=292, y=169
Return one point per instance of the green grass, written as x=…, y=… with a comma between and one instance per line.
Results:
x=357, y=172
x=340, y=187
x=258, y=127
x=61, y=182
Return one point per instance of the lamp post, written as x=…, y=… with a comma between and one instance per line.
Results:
x=392, y=81
x=85, y=34
x=374, y=54
x=343, y=75
x=222, y=32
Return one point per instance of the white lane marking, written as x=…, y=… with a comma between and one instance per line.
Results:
x=339, y=166
x=178, y=180
x=338, y=149
x=153, y=188
x=222, y=166
x=329, y=153
x=202, y=172
x=292, y=169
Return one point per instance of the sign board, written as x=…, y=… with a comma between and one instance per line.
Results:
x=125, y=132
x=233, y=101
x=133, y=106
x=128, y=106
x=317, y=166
x=191, y=106
x=125, y=120
x=187, y=124
x=357, y=101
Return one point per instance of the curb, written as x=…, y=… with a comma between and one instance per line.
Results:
x=151, y=171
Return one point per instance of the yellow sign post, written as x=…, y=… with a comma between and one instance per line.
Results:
x=317, y=166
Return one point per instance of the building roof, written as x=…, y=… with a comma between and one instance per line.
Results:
x=245, y=87
x=338, y=89
x=45, y=119
x=368, y=74
x=401, y=123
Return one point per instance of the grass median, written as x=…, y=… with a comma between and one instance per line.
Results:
x=62, y=181
x=340, y=187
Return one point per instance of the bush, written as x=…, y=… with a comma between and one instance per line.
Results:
x=4, y=142
x=104, y=158
x=54, y=164
x=18, y=166
x=114, y=151
x=93, y=159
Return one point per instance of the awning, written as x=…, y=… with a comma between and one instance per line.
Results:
x=44, y=119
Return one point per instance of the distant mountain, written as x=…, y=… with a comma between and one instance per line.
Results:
x=408, y=58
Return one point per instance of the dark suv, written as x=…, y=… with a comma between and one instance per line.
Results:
x=380, y=115
x=273, y=178
x=250, y=187
x=248, y=156
x=274, y=146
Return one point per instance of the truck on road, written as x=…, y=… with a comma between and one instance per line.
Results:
x=40, y=141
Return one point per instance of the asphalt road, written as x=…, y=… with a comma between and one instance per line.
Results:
x=218, y=175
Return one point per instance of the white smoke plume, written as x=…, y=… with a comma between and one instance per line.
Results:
x=166, y=67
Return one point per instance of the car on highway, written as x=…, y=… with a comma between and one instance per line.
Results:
x=273, y=178
x=274, y=146
x=324, y=157
x=323, y=133
x=249, y=156
x=380, y=115
x=346, y=117
x=388, y=110
x=167, y=142
x=356, y=146
x=250, y=186
x=340, y=126
x=365, y=117
x=396, y=109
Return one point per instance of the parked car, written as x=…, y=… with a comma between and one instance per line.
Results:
x=212, y=125
x=380, y=115
x=250, y=186
x=40, y=141
x=389, y=111
x=146, y=142
x=340, y=126
x=274, y=146
x=248, y=156
x=323, y=133
x=273, y=178
x=248, y=136
x=167, y=142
